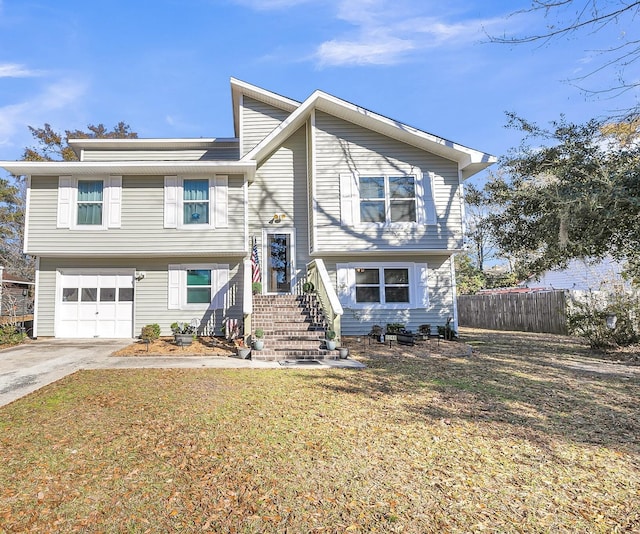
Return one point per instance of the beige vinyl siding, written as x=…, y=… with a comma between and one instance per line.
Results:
x=343, y=147
x=280, y=186
x=258, y=120
x=142, y=229
x=226, y=153
x=441, y=296
x=150, y=295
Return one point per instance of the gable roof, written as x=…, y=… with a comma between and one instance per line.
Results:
x=470, y=161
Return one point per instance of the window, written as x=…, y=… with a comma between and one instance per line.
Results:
x=89, y=203
x=90, y=198
x=197, y=286
x=387, y=199
x=382, y=285
x=195, y=201
x=392, y=285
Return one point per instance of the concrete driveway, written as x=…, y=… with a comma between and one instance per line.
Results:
x=28, y=367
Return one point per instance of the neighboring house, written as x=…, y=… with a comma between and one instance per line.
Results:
x=582, y=275
x=16, y=296
x=144, y=231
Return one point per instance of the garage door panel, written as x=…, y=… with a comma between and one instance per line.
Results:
x=90, y=305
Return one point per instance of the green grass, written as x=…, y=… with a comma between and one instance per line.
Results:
x=520, y=437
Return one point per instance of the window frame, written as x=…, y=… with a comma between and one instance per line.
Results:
x=417, y=285
x=217, y=203
x=387, y=199
x=68, y=202
x=177, y=290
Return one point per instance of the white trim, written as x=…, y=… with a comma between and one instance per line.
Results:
x=36, y=300
x=292, y=246
x=454, y=292
x=418, y=289
x=218, y=202
x=27, y=212
x=177, y=286
x=67, y=202
x=313, y=243
x=467, y=158
x=240, y=131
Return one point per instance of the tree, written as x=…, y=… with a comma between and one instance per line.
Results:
x=569, y=18
x=51, y=146
x=575, y=196
x=54, y=146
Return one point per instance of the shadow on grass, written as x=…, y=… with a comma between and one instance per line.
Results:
x=550, y=385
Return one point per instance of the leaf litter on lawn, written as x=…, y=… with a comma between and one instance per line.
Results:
x=515, y=438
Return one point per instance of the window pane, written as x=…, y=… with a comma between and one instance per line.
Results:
x=196, y=189
x=199, y=277
x=196, y=213
x=367, y=294
x=198, y=295
x=125, y=294
x=89, y=213
x=89, y=190
x=372, y=187
x=402, y=187
x=396, y=294
x=107, y=294
x=372, y=211
x=89, y=294
x=403, y=210
x=70, y=294
x=367, y=276
x=396, y=276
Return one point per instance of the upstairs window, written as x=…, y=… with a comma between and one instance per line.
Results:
x=87, y=203
x=387, y=199
x=90, y=201
x=196, y=202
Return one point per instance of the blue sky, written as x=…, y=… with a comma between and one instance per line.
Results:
x=163, y=66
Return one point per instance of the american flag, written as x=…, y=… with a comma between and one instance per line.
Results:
x=255, y=263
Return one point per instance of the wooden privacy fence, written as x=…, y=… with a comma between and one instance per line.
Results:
x=524, y=312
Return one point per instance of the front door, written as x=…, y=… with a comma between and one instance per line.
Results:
x=280, y=254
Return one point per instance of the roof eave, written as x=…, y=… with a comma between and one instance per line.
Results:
x=56, y=168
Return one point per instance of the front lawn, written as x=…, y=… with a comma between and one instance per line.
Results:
x=531, y=433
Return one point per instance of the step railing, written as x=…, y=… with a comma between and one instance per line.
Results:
x=327, y=297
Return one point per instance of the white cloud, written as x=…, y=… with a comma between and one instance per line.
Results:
x=45, y=106
x=14, y=70
x=388, y=34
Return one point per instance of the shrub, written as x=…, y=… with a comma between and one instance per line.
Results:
x=587, y=318
x=10, y=335
x=259, y=333
x=150, y=332
x=394, y=328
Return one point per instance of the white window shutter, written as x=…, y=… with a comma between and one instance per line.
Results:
x=345, y=279
x=170, y=201
x=174, y=287
x=420, y=286
x=220, y=282
x=65, y=190
x=114, y=202
x=429, y=208
x=349, y=200
x=221, y=203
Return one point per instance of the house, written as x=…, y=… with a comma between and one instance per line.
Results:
x=16, y=297
x=582, y=275
x=144, y=231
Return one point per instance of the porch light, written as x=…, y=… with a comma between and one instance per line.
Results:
x=278, y=217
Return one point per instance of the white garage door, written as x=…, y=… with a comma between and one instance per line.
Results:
x=95, y=305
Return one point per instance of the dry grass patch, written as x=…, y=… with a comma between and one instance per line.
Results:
x=166, y=346
x=522, y=436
